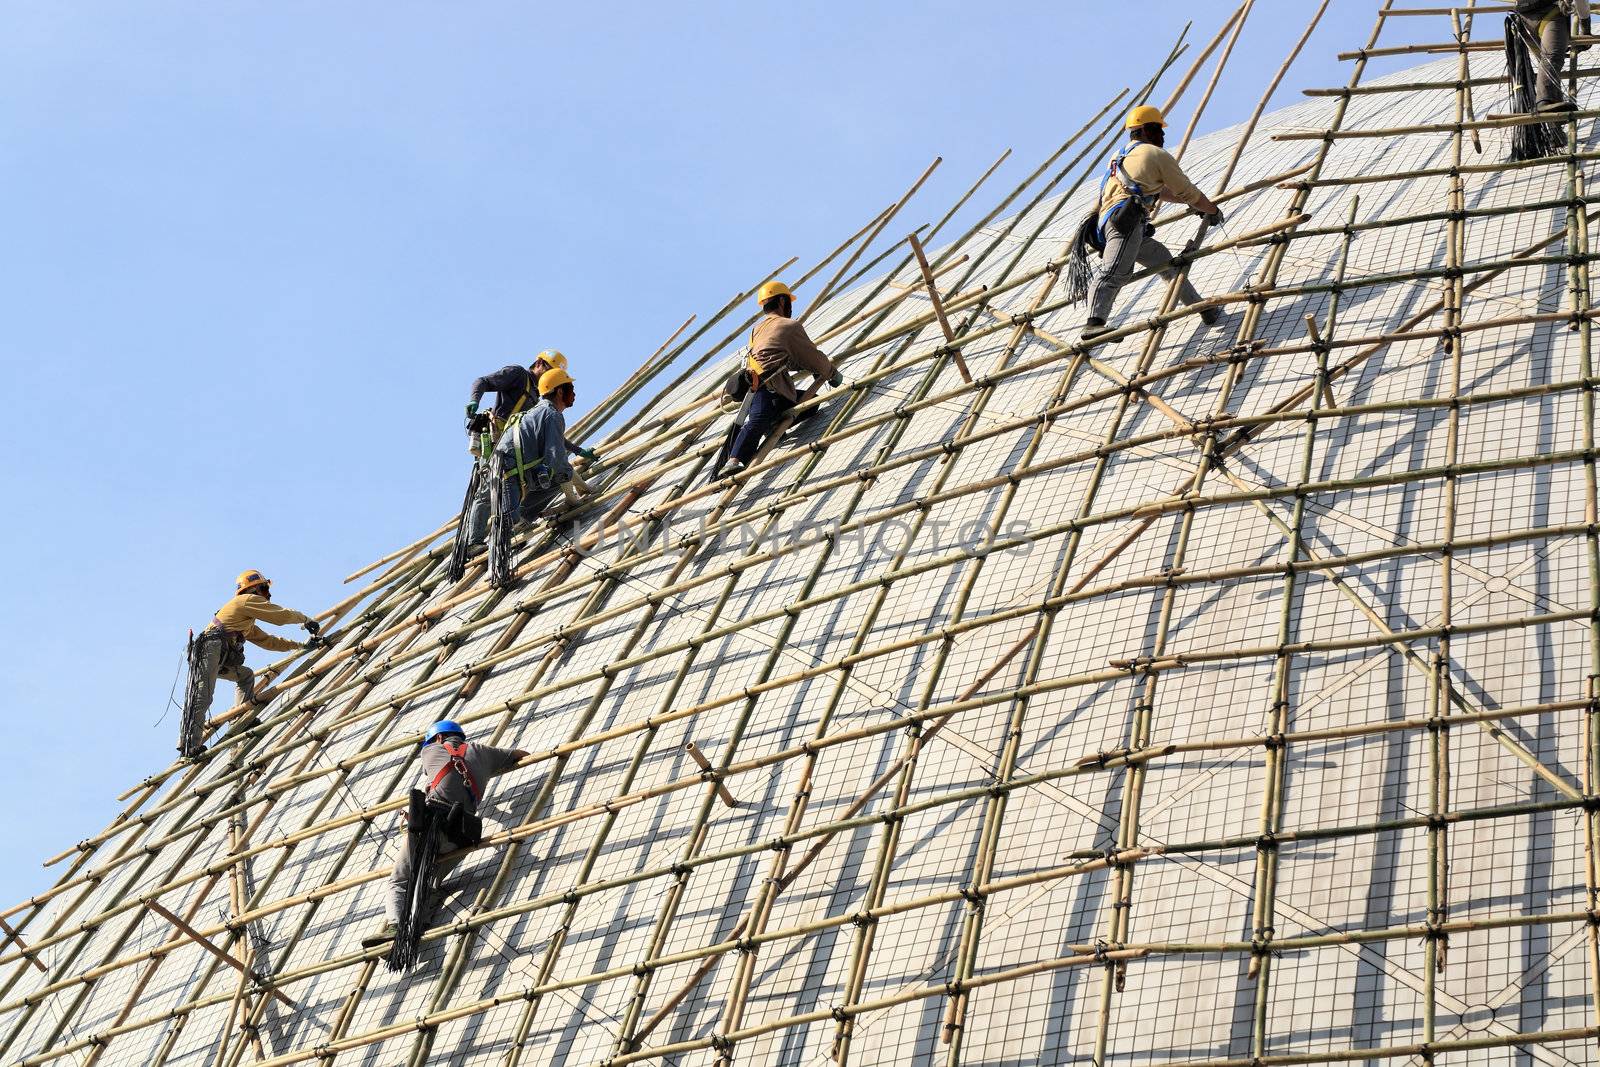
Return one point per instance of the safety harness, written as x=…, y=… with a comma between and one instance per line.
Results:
x=1136, y=192
x=457, y=765
x=521, y=471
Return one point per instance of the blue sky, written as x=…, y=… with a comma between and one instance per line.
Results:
x=256, y=252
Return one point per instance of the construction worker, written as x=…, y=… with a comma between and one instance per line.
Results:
x=1140, y=176
x=515, y=389
x=219, y=650
x=455, y=773
x=533, y=450
x=1547, y=38
x=778, y=344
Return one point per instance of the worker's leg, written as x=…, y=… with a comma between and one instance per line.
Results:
x=244, y=679
x=533, y=504
x=399, y=880
x=478, y=512
x=1124, y=236
x=1154, y=254
x=1553, y=35
x=203, y=683
x=766, y=410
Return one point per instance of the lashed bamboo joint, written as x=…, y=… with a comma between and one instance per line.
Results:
x=1020, y=704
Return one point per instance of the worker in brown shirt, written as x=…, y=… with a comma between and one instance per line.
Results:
x=778, y=345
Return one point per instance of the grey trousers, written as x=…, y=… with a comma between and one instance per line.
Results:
x=1129, y=241
x=213, y=665
x=1553, y=31
x=395, y=903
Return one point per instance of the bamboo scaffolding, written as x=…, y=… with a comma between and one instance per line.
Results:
x=1322, y=834
x=1170, y=849
x=1050, y=531
x=349, y=676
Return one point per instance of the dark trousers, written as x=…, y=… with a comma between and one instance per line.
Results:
x=517, y=507
x=766, y=410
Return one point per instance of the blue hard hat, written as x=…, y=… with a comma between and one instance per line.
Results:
x=443, y=726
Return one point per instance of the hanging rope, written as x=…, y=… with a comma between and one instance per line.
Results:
x=422, y=838
x=458, y=550
x=191, y=728
x=1533, y=140
x=500, y=523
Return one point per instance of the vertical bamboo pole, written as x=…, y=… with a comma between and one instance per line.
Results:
x=1579, y=282
x=1275, y=776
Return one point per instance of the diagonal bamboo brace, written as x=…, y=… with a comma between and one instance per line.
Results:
x=194, y=935
x=27, y=953
x=938, y=305
x=705, y=765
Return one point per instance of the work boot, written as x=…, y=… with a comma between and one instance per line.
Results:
x=733, y=470
x=381, y=936
x=1093, y=328
x=1551, y=107
x=476, y=549
x=1211, y=316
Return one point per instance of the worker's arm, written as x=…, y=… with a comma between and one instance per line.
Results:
x=504, y=380
x=804, y=354
x=271, y=642
x=553, y=447
x=499, y=760
x=264, y=610
x=1176, y=188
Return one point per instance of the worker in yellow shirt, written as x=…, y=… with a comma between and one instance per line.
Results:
x=219, y=650
x=1142, y=175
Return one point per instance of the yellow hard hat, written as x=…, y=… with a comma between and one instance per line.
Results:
x=771, y=289
x=249, y=580
x=553, y=379
x=1143, y=115
x=552, y=357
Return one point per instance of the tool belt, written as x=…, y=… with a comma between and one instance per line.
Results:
x=463, y=827
x=232, y=643
x=737, y=385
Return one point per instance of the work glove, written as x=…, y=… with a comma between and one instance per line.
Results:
x=837, y=380
x=1583, y=31
x=312, y=626
x=586, y=453
x=1215, y=218
x=314, y=642
x=472, y=417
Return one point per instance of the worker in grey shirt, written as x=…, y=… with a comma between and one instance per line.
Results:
x=454, y=772
x=533, y=450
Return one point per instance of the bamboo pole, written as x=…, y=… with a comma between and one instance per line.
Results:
x=932, y=287
x=22, y=946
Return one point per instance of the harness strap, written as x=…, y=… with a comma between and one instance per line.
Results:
x=751, y=364
x=222, y=631
x=523, y=467
x=458, y=764
x=1115, y=171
